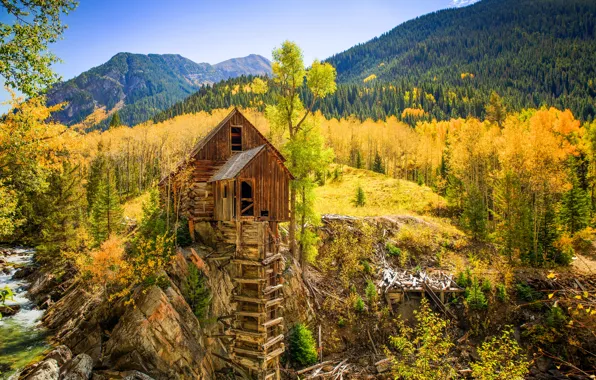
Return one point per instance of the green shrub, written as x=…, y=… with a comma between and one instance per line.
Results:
x=341, y=322
x=422, y=351
x=464, y=279
x=556, y=318
x=183, y=238
x=303, y=349
x=371, y=292
x=527, y=293
x=500, y=358
x=366, y=267
x=196, y=292
x=502, y=293
x=392, y=250
x=475, y=298
x=487, y=287
x=359, y=304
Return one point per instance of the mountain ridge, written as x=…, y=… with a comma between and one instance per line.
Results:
x=141, y=85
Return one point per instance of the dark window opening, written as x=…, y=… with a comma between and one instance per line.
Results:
x=225, y=191
x=246, y=199
x=264, y=212
x=236, y=139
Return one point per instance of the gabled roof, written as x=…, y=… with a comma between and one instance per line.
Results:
x=219, y=126
x=236, y=163
x=201, y=144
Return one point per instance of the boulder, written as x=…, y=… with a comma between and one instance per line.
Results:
x=78, y=368
x=23, y=272
x=61, y=354
x=8, y=311
x=47, y=369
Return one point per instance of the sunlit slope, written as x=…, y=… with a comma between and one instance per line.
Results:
x=384, y=195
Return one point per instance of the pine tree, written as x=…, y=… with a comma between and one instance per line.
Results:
x=196, y=291
x=474, y=213
x=359, y=164
x=62, y=212
x=495, y=110
x=106, y=212
x=97, y=169
x=575, y=207
x=115, y=122
x=360, y=199
x=377, y=165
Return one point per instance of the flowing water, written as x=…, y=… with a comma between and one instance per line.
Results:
x=22, y=339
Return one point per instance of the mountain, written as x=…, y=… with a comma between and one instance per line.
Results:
x=533, y=52
x=141, y=85
x=250, y=65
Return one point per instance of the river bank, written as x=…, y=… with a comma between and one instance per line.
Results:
x=22, y=337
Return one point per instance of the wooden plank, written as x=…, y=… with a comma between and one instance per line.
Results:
x=275, y=353
x=273, y=341
x=252, y=314
x=246, y=262
x=259, y=301
x=274, y=302
x=271, y=259
x=271, y=289
x=273, y=322
x=249, y=280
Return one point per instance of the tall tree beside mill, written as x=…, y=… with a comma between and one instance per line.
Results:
x=289, y=114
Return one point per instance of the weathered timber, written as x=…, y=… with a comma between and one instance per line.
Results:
x=273, y=341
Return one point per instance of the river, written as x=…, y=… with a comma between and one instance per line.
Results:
x=22, y=338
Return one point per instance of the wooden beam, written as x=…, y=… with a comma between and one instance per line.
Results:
x=247, y=262
x=259, y=301
x=273, y=322
x=271, y=289
x=271, y=259
x=248, y=333
x=275, y=353
x=253, y=314
x=249, y=280
x=273, y=341
x=274, y=302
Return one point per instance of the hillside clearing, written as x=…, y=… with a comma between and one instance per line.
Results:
x=383, y=195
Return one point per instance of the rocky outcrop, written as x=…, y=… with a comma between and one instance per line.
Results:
x=60, y=365
x=78, y=368
x=159, y=336
x=47, y=369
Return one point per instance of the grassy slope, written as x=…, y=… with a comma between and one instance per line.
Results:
x=384, y=195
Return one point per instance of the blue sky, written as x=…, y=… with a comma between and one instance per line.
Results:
x=213, y=31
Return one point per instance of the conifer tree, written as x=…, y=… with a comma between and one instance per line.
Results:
x=115, y=122
x=377, y=165
x=575, y=207
x=106, y=212
x=359, y=164
x=360, y=199
x=474, y=213
x=62, y=213
x=495, y=110
x=97, y=170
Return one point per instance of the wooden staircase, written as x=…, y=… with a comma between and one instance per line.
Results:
x=257, y=324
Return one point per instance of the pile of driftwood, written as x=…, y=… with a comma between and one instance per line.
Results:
x=328, y=370
x=438, y=281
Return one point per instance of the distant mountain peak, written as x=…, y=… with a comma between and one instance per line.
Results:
x=144, y=84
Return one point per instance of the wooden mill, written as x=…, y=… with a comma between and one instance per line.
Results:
x=236, y=184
